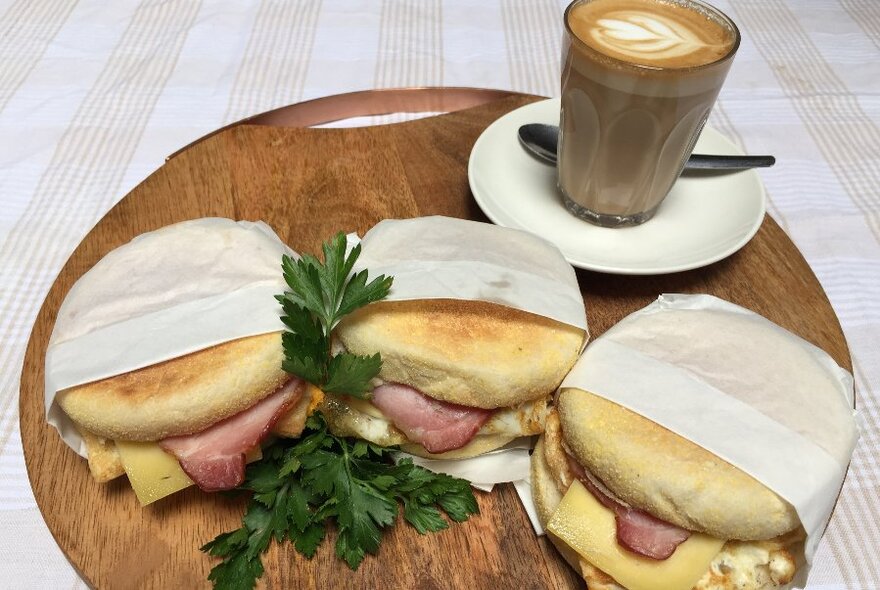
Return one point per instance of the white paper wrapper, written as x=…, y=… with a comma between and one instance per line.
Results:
x=182, y=284
x=446, y=258
x=756, y=395
x=167, y=293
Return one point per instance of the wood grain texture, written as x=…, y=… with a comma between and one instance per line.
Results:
x=308, y=184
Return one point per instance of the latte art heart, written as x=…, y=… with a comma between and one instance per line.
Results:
x=637, y=34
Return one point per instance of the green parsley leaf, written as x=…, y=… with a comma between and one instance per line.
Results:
x=309, y=539
x=259, y=524
x=359, y=293
x=458, y=505
x=227, y=543
x=263, y=479
x=238, y=571
x=298, y=513
x=423, y=518
x=301, y=486
x=319, y=295
x=351, y=374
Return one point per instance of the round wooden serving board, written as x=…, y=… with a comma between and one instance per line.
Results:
x=309, y=184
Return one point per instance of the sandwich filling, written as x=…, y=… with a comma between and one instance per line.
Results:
x=398, y=414
x=436, y=425
x=215, y=457
x=637, y=530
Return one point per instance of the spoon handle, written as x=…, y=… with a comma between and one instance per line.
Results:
x=542, y=140
x=715, y=162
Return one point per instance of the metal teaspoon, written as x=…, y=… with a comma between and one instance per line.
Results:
x=541, y=140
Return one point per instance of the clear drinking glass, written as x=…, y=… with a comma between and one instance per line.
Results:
x=629, y=120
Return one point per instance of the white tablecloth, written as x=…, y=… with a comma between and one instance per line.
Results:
x=95, y=93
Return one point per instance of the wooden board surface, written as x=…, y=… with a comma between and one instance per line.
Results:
x=308, y=184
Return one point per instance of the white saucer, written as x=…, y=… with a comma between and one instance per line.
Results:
x=705, y=218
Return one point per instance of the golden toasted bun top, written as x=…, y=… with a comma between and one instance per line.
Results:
x=473, y=353
x=180, y=396
x=674, y=479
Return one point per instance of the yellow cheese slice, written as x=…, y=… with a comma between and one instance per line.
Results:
x=589, y=528
x=155, y=474
x=152, y=472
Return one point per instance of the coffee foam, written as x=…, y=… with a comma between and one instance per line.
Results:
x=650, y=32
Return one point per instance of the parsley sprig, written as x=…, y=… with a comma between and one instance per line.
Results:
x=319, y=295
x=300, y=485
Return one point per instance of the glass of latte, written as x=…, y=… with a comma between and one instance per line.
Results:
x=639, y=78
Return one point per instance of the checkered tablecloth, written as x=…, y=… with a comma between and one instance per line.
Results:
x=95, y=93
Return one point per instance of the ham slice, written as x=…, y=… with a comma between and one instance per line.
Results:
x=438, y=426
x=637, y=530
x=646, y=535
x=215, y=457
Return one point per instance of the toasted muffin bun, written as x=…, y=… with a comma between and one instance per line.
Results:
x=545, y=491
x=652, y=468
x=473, y=353
x=180, y=396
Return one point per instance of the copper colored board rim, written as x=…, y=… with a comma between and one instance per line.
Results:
x=367, y=103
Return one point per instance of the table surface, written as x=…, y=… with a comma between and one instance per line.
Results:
x=94, y=96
